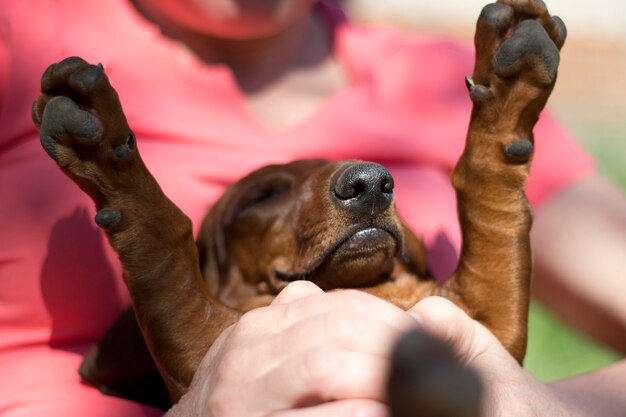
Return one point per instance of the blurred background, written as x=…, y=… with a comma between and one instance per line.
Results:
x=589, y=99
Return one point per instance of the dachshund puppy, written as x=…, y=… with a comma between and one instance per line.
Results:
x=333, y=223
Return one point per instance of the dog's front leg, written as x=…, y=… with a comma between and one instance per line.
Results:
x=517, y=44
x=83, y=128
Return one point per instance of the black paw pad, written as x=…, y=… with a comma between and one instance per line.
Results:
x=49, y=145
x=54, y=78
x=532, y=8
x=562, y=29
x=107, y=218
x=47, y=74
x=69, y=64
x=519, y=152
x=35, y=113
x=62, y=116
x=426, y=379
x=529, y=45
x=86, y=78
x=497, y=15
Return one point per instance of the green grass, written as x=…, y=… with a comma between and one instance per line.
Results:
x=556, y=351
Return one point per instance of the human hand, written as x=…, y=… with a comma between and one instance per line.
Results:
x=507, y=389
x=313, y=354
x=308, y=354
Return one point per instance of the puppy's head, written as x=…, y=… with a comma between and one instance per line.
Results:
x=334, y=224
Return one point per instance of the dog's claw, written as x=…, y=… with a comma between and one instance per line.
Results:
x=125, y=149
x=478, y=93
x=107, y=218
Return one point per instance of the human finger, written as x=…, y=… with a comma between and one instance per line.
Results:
x=296, y=290
x=426, y=378
x=340, y=329
x=262, y=322
x=344, y=408
x=304, y=298
x=445, y=320
x=284, y=315
x=314, y=377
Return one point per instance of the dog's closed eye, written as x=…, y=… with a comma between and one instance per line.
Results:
x=264, y=194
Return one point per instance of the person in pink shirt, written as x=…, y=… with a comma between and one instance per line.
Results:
x=214, y=90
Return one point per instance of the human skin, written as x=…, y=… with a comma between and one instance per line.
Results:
x=578, y=240
x=326, y=350
x=320, y=354
x=509, y=389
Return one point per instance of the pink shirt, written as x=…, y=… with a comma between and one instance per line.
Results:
x=405, y=107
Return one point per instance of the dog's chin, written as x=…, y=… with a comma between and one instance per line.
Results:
x=364, y=259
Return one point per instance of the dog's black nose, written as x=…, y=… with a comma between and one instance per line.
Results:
x=366, y=188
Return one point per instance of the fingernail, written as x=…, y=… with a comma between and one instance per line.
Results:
x=372, y=410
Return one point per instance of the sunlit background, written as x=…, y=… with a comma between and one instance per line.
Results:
x=590, y=99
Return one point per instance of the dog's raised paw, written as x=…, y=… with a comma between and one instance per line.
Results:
x=82, y=126
x=518, y=37
x=517, y=58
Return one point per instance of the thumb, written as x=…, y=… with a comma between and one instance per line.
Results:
x=470, y=339
x=296, y=290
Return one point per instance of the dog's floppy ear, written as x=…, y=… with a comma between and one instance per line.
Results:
x=212, y=250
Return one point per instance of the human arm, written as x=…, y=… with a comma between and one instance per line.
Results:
x=598, y=393
x=579, y=242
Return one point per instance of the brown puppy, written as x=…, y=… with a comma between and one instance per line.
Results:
x=333, y=223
